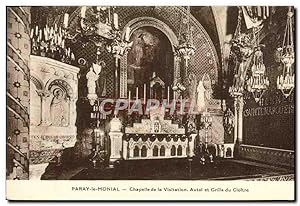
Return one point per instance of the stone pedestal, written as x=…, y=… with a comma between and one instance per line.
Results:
x=37, y=170
x=192, y=145
x=53, y=96
x=115, y=147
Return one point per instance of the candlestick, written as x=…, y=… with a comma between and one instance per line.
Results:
x=66, y=20
x=168, y=95
x=129, y=98
x=137, y=93
x=181, y=106
x=83, y=10
x=116, y=21
x=144, y=94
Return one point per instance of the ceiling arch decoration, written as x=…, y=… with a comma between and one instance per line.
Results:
x=171, y=16
x=146, y=21
x=63, y=85
x=205, y=59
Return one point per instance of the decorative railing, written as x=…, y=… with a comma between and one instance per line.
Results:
x=288, y=177
x=156, y=146
x=268, y=155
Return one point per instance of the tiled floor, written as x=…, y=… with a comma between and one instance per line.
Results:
x=181, y=169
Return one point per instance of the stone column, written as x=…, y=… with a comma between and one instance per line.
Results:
x=191, y=145
x=123, y=76
x=116, y=140
x=73, y=114
x=116, y=147
x=18, y=87
x=240, y=119
x=43, y=95
x=124, y=151
x=130, y=152
x=168, y=152
x=235, y=132
x=177, y=60
x=116, y=75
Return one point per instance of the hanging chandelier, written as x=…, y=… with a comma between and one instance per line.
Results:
x=50, y=41
x=186, y=49
x=99, y=25
x=257, y=82
x=243, y=47
x=241, y=50
x=286, y=81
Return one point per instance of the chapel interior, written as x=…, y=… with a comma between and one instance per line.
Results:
x=236, y=63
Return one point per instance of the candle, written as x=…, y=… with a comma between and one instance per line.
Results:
x=174, y=95
x=66, y=20
x=51, y=32
x=102, y=140
x=127, y=33
x=129, y=98
x=116, y=21
x=168, y=95
x=145, y=94
x=63, y=44
x=36, y=30
x=31, y=33
x=45, y=34
x=72, y=56
x=83, y=10
x=98, y=8
x=137, y=93
x=109, y=15
x=40, y=34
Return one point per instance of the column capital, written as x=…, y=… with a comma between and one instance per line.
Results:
x=43, y=93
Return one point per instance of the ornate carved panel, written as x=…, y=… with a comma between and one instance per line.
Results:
x=53, y=101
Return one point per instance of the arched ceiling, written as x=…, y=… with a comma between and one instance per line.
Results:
x=204, y=15
x=54, y=14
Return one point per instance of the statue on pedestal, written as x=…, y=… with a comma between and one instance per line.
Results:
x=200, y=96
x=91, y=77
